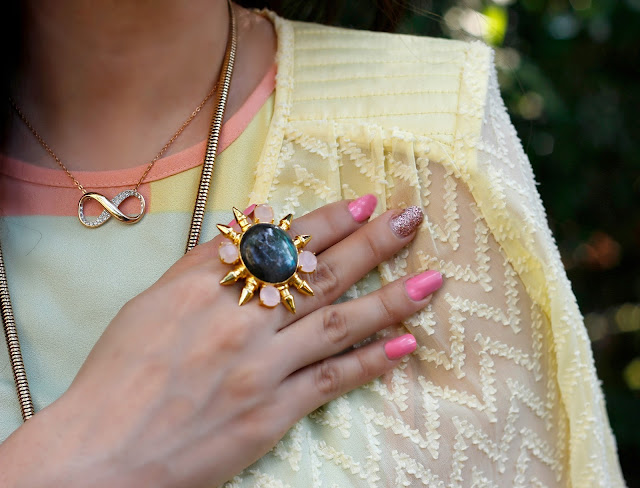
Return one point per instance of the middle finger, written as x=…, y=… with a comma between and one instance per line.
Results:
x=344, y=263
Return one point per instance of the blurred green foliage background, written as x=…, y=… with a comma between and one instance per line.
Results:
x=569, y=73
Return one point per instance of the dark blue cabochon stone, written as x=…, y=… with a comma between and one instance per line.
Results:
x=269, y=253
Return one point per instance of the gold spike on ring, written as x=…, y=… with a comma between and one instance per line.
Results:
x=241, y=219
x=285, y=223
x=301, y=285
x=287, y=298
x=234, y=275
x=301, y=241
x=229, y=233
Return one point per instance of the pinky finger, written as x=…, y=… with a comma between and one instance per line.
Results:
x=313, y=386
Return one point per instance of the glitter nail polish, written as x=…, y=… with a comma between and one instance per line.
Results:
x=405, y=223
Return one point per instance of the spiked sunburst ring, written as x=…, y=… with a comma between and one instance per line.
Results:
x=266, y=257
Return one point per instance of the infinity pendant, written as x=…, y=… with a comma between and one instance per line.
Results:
x=110, y=208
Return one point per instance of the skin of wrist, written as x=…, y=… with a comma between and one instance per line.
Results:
x=94, y=461
x=30, y=445
x=44, y=441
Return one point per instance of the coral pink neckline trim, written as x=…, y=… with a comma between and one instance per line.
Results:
x=164, y=167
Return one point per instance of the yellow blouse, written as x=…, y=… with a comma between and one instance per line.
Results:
x=501, y=391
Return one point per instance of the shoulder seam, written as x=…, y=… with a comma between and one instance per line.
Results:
x=382, y=79
x=472, y=95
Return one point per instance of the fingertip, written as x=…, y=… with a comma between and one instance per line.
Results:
x=363, y=207
x=406, y=222
x=400, y=346
x=424, y=284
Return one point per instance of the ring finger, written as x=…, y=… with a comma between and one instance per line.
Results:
x=332, y=329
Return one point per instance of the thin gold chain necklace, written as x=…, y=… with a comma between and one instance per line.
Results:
x=6, y=309
x=111, y=206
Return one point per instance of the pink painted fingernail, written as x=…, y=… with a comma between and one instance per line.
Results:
x=423, y=285
x=362, y=208
x=247, y=211
x=406, y=222
x=400, y=346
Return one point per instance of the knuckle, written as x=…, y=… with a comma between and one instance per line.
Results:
x=377, y=252
x=325, y=279
x=200, y=255
x=246, y=382
x=387, y=310
x=234, y=340
x=328, y=378
x=196, y=286
x=255, y=431
x=334, y=325
x=295, y=229
x=214, y=346
x=366, y=370
x=196, y=256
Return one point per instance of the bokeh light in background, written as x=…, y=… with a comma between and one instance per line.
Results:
x=569, y=72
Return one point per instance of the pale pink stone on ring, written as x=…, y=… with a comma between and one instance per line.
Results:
x=269, y=296
x=228, y=253
x=263, y=213
x=307, y=261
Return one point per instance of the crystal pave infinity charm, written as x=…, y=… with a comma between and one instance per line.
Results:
x=110, y=208
x=266, y=257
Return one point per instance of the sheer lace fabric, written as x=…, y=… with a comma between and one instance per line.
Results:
x=501, y=391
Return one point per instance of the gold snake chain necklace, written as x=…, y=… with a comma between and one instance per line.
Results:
x=6, y=309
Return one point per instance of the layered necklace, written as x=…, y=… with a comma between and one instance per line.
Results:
x=221, y=89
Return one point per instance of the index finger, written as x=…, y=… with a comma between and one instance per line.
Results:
x=326, y=225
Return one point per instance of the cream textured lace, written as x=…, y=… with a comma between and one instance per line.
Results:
x=502, y=390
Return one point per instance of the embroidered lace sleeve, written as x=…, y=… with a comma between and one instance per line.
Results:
x=479, y=402
x=502, y=386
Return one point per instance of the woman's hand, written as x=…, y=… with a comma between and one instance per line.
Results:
x=184, y=388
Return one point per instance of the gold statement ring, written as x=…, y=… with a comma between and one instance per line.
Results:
x=266, y=257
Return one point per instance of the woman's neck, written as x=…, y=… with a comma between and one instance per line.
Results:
x=107, y=82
